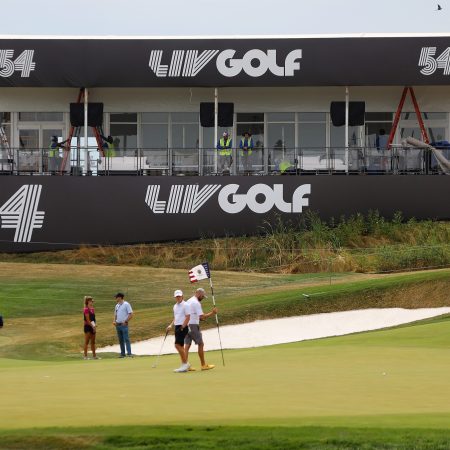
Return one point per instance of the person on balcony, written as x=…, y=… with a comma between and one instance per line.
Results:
x=224, y=148
x=246, y=146
x=109, y=148
x=53, y=153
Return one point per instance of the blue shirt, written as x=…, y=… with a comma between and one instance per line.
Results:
x=121, y=312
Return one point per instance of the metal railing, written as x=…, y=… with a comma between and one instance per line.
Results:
x=261, y=161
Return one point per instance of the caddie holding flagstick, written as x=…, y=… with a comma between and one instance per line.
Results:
x=200, y=272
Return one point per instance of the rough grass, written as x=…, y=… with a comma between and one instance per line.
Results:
x=244, y=437
x=358, y=243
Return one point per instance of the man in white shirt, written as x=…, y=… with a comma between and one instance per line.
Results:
x=194, y=334
x=180, y=320
x=122, y=315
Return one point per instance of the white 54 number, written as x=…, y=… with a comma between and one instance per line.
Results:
x=23, y=63
x=430, y=63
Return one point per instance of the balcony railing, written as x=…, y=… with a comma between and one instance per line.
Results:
x=262, y=161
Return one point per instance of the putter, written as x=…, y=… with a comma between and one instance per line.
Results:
x=160, y=350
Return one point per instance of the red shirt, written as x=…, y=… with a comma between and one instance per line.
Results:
x=91, y=313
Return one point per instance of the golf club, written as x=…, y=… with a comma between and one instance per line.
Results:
x=160, y=350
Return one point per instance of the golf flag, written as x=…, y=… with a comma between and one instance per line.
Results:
x=200, y=272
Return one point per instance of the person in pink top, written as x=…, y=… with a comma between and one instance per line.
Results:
x=89, y=326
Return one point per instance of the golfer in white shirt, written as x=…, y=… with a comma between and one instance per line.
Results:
x=194, y=334
x=181, y=318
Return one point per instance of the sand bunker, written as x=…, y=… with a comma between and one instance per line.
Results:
x=290, y=329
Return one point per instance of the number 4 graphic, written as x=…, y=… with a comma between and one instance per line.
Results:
x=23, y=63
x=20, y=212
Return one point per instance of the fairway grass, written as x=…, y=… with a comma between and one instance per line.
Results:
x=391, y=378
x=382, y=390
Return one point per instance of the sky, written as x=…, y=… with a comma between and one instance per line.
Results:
x=213, y=17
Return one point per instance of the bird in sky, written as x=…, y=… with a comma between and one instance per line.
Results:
x=439, y=8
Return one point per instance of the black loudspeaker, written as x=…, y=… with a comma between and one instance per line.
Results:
x=207, y=114
x=77, y=114
x=356, y=113
x=225, y=114
x=95, y=114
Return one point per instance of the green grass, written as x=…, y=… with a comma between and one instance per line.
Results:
x=42, y=303
x=380, y=390
x=226, y=437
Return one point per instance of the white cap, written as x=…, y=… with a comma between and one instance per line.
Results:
x=178, y=293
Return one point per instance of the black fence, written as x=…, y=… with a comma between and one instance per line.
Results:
x=207, y=161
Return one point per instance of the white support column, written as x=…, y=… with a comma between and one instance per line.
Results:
x=86, y=145
x=216, y=125
x=346, y=127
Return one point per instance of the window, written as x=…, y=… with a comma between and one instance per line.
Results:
x=123, y=128
x=312, y=130
x=185, y=143
x=155, y=130
x=40, y=117
x=281, y=139
x=378, y=127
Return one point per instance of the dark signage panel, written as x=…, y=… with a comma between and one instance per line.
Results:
x=225, y=62
x=39, y=213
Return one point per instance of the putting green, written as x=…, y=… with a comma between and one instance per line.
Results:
x=396, y=378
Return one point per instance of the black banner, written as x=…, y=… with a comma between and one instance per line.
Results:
x=150, y=62
x=39, y=213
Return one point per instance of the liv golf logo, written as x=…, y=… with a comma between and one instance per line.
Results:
x=260, y=198
x=20, y=212
x=255, y=63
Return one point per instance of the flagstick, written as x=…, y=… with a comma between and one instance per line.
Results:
x=217, y=319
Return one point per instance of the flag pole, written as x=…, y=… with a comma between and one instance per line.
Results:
x=217, y=319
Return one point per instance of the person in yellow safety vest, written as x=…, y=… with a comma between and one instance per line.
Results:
x=53, y=153
x=109, y=149
x=284, y=165
x=224, y=148
x=246, y=146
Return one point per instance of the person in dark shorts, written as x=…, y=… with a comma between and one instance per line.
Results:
x=181, y=317
x=89, y=326
x=197, y=314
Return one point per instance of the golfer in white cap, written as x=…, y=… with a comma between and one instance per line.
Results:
x=180, y=320
x=194, y=334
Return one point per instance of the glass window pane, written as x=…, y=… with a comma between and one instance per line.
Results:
x=281, y=135
x=5, y=117
x=312, y=135
x=40, y=117
x=185, y=117
x=125, y=136
x=155, y=136
x=124, y=117
x=50, y=117
x=435, y=116
x=185, y=136
x=337, y=136
x=436, y=134
x=312, y=117
x=280, y=117
x=379, y=116
x=250, y=117
x=155, y=117
x=27, y=116
x=29, y=139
